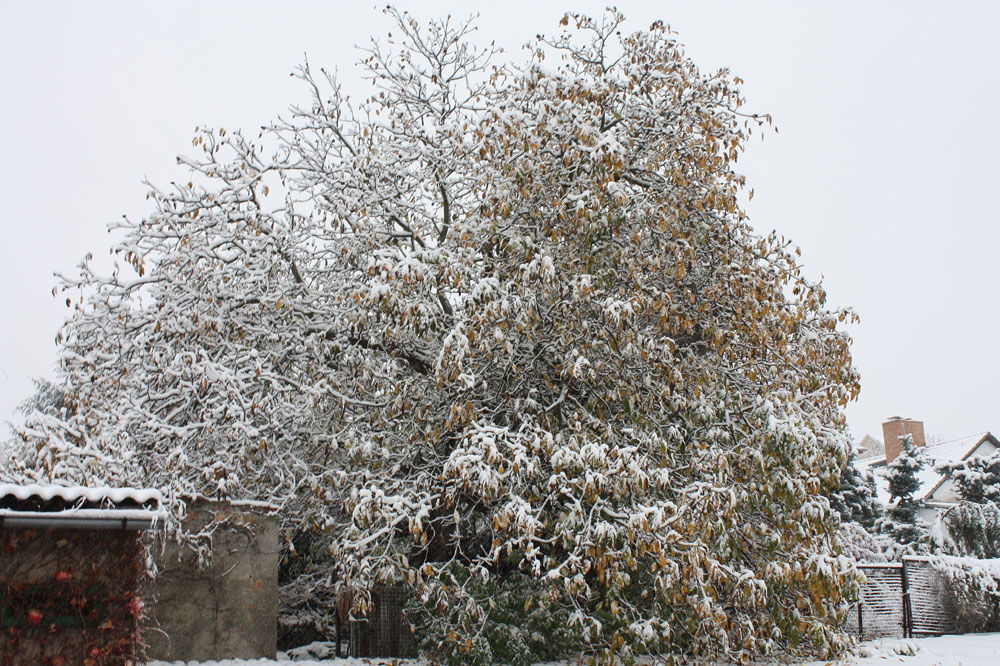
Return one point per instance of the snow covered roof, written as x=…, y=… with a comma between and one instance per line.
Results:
x=76, y=494
x=940, y=454
x=864, y=463
x=869, y=447
x=78, y=506
x=933, y=455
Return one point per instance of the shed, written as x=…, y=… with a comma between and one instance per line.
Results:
x=72, y=566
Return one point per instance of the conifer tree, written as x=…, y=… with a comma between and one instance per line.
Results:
x=974, y=525
x=973, y=530
x=902, y=520
x=977, y=479
x=855, y=498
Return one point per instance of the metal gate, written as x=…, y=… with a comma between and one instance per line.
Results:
x=385, y=632
x=902, y=600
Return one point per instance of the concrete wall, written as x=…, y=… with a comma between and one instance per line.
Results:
x=228, y=610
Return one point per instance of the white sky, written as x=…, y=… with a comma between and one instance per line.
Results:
x=885, y=170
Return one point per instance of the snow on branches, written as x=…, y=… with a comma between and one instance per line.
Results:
x=901, y=520
x=498, y=332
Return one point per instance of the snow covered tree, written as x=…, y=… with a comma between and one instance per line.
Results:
x=902, y=521
x=974, y=525
x=501, y=334
x=864, y=545
x=973, y=530
x=978, y=479
x=855, y=498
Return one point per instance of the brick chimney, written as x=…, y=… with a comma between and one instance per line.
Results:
x=894, y=428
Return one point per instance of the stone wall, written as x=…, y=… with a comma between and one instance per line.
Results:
x=228, y=610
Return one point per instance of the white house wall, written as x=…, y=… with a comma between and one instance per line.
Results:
x=948, y=491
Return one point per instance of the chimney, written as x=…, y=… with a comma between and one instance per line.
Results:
x=894, y=428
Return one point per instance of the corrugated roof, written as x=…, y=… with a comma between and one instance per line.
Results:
x=79, y=506
x=79, y=495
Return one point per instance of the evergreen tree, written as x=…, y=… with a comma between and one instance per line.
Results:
x=974, y=525
x=901, y=520
x=978, y=479
x=855, y=498
x=973, y=530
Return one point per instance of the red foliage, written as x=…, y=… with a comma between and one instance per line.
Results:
x=70, y=597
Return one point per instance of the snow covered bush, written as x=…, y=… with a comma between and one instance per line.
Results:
x=973, y=530
x=523, y=629
x=975, y=584
x=502, y=334
x=863, y=546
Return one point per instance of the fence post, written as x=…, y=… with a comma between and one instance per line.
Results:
x=861, y=622
x=907, y=608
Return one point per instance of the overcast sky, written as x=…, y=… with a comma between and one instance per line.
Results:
x=885, y=170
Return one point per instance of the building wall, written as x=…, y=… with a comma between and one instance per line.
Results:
x=229, y=609
x=948, y=490
x=69, y=593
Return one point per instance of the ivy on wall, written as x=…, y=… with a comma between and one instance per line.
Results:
x=70, y=597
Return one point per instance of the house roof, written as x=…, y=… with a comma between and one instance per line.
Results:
x=77, y=506
x=869, y=447
x=876, y=461
x=947, y=452
x=933, y=455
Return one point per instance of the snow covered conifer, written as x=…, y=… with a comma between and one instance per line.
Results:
x=973, y=530
x=501, y=334
x=978, y=478
x=901, y=520
x=974, y=525
x=855, y=498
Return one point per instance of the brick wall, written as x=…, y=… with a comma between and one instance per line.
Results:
x=896, y=427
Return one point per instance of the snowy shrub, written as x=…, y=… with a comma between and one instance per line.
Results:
x=975, y=585
x=863, y=546
x=973, y=530
x=522, y=624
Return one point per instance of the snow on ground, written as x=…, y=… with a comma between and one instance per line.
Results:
x=291, y=662
x=965, y=650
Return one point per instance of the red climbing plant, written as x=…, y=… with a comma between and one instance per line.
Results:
x=71, y=597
